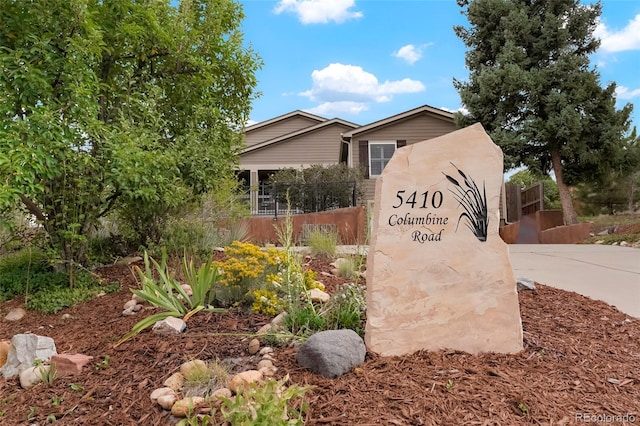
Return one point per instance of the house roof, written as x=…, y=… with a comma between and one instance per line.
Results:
x=285, y=117
x=403, y=115
x=298, y=132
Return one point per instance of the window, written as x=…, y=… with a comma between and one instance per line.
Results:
x=379, y=155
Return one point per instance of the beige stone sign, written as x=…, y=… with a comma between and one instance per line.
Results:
x=438, y=273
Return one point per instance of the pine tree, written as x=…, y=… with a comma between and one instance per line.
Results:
x=532, y=88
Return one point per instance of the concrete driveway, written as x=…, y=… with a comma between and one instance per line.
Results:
x=603, y=272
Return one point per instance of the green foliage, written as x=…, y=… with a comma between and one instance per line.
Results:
x=346, y=308
x=269, y=403
x=318, y=187
x=167, y=293
x=531, y=87
x=118, y=105
x=526, y=178
x=322, y=244
x=348, y=267
x=48, y=374
x=203, y=380
x=54, y=299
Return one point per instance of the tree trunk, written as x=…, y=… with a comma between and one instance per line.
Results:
x=568, y=212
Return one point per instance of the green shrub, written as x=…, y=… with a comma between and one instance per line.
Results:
x=54, y=299
x=347, y=308
x=265, y=404
x=27, y=270
x=322, y=243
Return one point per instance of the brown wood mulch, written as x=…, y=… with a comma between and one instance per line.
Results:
x=581, y=362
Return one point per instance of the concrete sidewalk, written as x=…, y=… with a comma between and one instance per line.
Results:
x=603, y=272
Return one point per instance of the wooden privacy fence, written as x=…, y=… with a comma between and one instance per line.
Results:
x=521, y=202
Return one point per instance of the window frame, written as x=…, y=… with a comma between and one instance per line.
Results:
x=381, y=142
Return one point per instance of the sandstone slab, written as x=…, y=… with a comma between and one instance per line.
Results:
x=438, y=273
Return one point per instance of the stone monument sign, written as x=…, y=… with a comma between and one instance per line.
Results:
x=438, y=273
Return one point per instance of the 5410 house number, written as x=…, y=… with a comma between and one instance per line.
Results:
x=435, y=200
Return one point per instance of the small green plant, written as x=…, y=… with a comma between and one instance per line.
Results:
x=449, y=384
x=167, y=293
x=48, y=374
x=76, y=387
x=55, y=401
x=322, y=243
x=33, y=411
x=55, y=299
x=348, y=267
x=202, y=380
x=523, y=408
x=347, y=308
x=199, y=420
x=51, y=418
x=104, y=363
x=269, y=403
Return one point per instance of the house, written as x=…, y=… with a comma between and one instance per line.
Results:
x=299, y=139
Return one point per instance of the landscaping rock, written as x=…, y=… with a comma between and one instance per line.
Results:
x=266, y=350
x=195, y=365
x=4, y=350
x=68, y=364
x=175, y=382
x=278, y=321
x=170, y=325
x=219, y=394
x=187, y=289
x=264, y=329
x=525, y=284
x=188, y=406
x=157, y=393
x=268, y=371
x=318, y=296
x=167, y=401
x=31, y=376
x=243, y=379
x=254, y=346
x=332, y=353
x=24, y=350
x=130, y=304
x=265, y=363
x=137, y=298
x=15, y=314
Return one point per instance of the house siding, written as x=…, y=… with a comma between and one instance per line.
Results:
x=278, y=129
x=318, y=147
x=412, y=130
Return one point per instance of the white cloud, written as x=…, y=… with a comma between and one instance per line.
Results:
x=617, y=41
x=350, y=83
x=462, y=110
x=410, y=53
x=331, y=109
x=624, y=93
x=319, y=11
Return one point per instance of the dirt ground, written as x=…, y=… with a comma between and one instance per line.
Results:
x=580, y=363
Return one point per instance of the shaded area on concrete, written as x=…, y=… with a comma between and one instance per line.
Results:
x=607, y=273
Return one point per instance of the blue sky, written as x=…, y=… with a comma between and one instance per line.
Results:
x=363, y=60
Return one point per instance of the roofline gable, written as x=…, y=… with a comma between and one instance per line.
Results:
x=299, y=133
x=401, y=116
x=283, y=117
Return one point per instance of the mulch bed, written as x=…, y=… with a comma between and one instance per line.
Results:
x=581, y=359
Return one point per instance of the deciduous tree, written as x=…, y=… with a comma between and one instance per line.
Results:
x=119, y=102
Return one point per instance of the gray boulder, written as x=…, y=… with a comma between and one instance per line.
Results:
x=332, y=353
x=24, y=350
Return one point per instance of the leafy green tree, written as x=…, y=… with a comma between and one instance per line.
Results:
x=531, y=87
x=132, y=104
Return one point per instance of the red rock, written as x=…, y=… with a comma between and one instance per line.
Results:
x=69, y=364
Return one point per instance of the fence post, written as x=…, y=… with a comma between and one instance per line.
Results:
x=275, y=197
